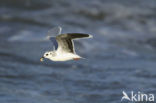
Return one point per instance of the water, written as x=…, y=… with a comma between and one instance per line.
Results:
x=121, y=56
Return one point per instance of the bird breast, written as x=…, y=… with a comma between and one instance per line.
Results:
x=64, y=57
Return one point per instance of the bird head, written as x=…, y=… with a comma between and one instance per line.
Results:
x=48, y=55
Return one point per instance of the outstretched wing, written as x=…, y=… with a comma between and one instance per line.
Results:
x=52, y=33
x=65, y=41
x=53, y=39
x=65, y=45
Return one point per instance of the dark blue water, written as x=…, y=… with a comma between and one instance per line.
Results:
x=121, y=56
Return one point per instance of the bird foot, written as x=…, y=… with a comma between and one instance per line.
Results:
x=76, y=58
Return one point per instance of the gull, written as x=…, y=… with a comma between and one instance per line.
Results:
x=63, y=49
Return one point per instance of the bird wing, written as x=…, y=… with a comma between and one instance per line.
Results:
x=65, y=45
x=55, y=44
x=75, y=35
x=65, y=41
x=52, y=33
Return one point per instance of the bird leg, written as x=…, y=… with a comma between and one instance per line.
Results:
x=76, y=58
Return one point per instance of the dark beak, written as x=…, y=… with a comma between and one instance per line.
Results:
x=41, y=59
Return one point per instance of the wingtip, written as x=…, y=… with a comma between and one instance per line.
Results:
x=90, y=36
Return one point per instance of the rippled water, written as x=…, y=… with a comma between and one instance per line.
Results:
x=121, y=56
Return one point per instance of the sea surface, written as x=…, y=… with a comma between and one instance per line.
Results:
x=120, y=57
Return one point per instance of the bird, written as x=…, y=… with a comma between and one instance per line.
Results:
x=63, y=49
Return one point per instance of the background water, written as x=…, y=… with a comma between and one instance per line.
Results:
x=121, y=56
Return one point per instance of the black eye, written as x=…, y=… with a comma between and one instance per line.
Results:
x=46, y=54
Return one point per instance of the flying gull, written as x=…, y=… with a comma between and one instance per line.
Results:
x=63, y=45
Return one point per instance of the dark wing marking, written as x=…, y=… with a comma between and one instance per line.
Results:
x=74, y=35
x=65, y=42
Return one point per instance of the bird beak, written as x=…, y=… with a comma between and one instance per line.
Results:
x=41, y=59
